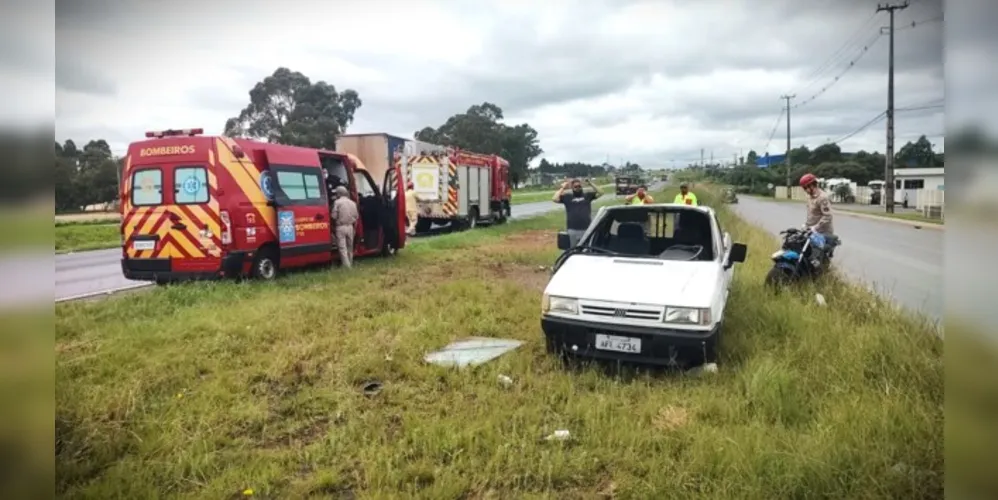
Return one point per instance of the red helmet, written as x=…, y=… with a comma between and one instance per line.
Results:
x=807, y=179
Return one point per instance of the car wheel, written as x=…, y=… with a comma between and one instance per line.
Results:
x=553, y=347
x=712, y=349
x=265, y=265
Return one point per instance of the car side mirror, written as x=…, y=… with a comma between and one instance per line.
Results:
x=737, y=254
x=564, y=242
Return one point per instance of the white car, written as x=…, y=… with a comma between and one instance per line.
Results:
x=646, y=283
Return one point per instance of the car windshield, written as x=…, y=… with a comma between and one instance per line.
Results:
x=656, y=232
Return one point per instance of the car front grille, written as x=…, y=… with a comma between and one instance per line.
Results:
x=636, y=312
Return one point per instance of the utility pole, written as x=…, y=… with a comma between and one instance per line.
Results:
x=787, y=97
x=889, y=156
x=701, y=157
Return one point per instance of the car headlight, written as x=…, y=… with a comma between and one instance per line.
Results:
x=559, y=305
x=687, y=315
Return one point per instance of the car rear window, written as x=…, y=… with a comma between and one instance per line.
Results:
x=190, y=185
x=147, y=187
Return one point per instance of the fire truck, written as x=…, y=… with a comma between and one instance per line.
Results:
x=453, y=187
x=456, y=187
x=208, y=207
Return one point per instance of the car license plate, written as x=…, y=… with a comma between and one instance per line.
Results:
x=143, y=245
x=619, y=344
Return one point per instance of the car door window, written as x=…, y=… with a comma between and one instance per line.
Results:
x=364, y=187
x=299, y=186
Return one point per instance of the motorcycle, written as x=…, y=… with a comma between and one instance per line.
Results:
x=792, y=262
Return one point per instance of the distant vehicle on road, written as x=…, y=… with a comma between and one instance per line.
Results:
x=646, y=283
x=208, y=207
x=626, y=185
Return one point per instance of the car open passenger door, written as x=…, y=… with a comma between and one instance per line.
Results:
x=302, y=207
x=393, y=196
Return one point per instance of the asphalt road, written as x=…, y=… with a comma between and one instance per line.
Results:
x=85, y=274
x=896, y=260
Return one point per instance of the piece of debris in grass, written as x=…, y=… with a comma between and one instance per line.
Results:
x=820, y=299
x=472, y=351
x=371, y=388
x=704, y=368
x=505, y=381
x=559, y=435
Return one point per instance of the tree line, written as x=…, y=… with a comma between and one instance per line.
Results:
x=86, y=176
x=579, y=169
x=826, y=160
x=482, y=129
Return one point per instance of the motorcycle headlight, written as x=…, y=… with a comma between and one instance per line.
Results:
x=687, y=316
x=559, y=305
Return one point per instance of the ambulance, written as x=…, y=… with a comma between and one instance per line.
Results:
x=209, y=207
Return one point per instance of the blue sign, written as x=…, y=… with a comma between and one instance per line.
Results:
x=265, y=185
x=769, y=160
x=286, y=226
x=192, y=185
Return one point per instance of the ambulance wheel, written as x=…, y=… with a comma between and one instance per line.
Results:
x=265, y=266
x=388, y=249
x=423, y=225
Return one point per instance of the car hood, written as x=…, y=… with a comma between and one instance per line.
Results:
x=641, y=281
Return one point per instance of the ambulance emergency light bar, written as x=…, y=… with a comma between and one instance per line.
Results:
x=189, y=132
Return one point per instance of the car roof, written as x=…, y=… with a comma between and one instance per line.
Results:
x=676, y=207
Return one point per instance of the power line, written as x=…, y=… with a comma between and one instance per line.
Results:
x=779, y=118
x=872, y=122
x=915, y=24
x=835, y=57
x=866, y=48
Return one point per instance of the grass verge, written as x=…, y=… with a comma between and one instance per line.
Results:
x=89, y=235
x=208, y=390
x=913, y=217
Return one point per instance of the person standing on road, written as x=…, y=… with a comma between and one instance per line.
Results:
x=344, y=215
x=640, y=197
x=578, y=207
x=685, y=197
x=411, y=208
x=819, y=217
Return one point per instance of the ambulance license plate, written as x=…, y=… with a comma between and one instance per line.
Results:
x=143, y=245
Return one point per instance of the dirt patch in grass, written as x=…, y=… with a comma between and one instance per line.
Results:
x=207, y=389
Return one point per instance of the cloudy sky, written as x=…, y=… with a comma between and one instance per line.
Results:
x=651, y=82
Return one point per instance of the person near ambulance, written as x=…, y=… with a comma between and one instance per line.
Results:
x=411, y=208
x=344, y=215
x=685, y=196
x=640, y=197
x=819, y=218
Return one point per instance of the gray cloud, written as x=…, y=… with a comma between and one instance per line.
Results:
x=524, y=67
